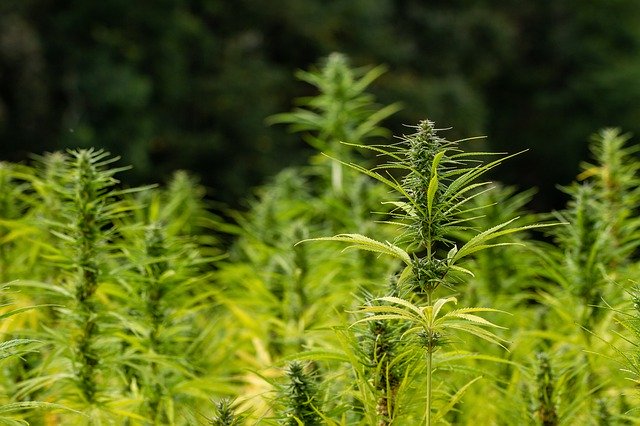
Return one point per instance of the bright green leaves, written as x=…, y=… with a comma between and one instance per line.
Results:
x=124, y=327
x=432, y=329
x=369, y=244
x=436, y=191
x=440, y=414
x=433, y=183
x=343, y=111
x=428, y=322
x=481, y=240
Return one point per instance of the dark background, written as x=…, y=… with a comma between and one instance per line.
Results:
x=187, y=84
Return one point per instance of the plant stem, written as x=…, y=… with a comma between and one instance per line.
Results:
x=429, y=363
x=428, y=409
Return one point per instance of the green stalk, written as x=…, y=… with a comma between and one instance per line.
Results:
x=429, y=371
x=430, y=341
x=429, y=364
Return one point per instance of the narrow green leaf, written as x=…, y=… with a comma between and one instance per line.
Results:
x=366, y=243
x=431, y=193
x=480, y=247
x=473, y=318
x=30, y=405
x=407, y=273
x=479, y=239
x=405, y=207
x=476, y=331
x=382, y=317
x=453, y=401
x=386, y=309
x=375, y=148
x=452, y=252
x=437, y=306
x=318, y=355
x=436, y=162
x=404, y=303
x=360, y=85
x=463, y=270
x=19, y=310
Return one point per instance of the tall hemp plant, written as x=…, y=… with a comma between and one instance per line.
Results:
x=171, y=326
x=602, y=259
x=342, y=111
x=290, y=288
x=592, y=259
x=126, y=326
x=439, y=183
x=81, y=368
x=599, y=245
x=582, y=267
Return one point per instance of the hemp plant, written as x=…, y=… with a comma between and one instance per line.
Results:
x=225, y=414
x=343, y=111
x=604, y=231
x=81, y=370
x=439, y=182
x=288, y=289
x=167, y=322
x=300, y=397
x=170, y=329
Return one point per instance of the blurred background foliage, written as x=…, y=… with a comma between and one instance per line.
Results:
x=188, y=84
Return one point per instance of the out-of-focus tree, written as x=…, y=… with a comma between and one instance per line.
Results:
x=188, y=83
x=574, y=70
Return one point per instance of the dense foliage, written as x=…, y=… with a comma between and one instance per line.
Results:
x=450, y=304
x=188, y=83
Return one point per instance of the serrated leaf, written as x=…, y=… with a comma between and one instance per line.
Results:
x=473, y=318
x=389, y=310
x=30, y=405
x=369, y=244
x=405, y=207
x=437, y=306
x=383, y=317
x=452, y=252
x=463, y=270
x=404, y=303
x=406, y=274
x=476, y=331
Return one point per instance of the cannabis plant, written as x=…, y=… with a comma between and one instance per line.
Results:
x=128, y=323
x=171, y=331
x=341, y=112
x=603, y=234
x=587, y=269
x=225, y=414
x=81, y=370
x=439, y=182
x=278, y=293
